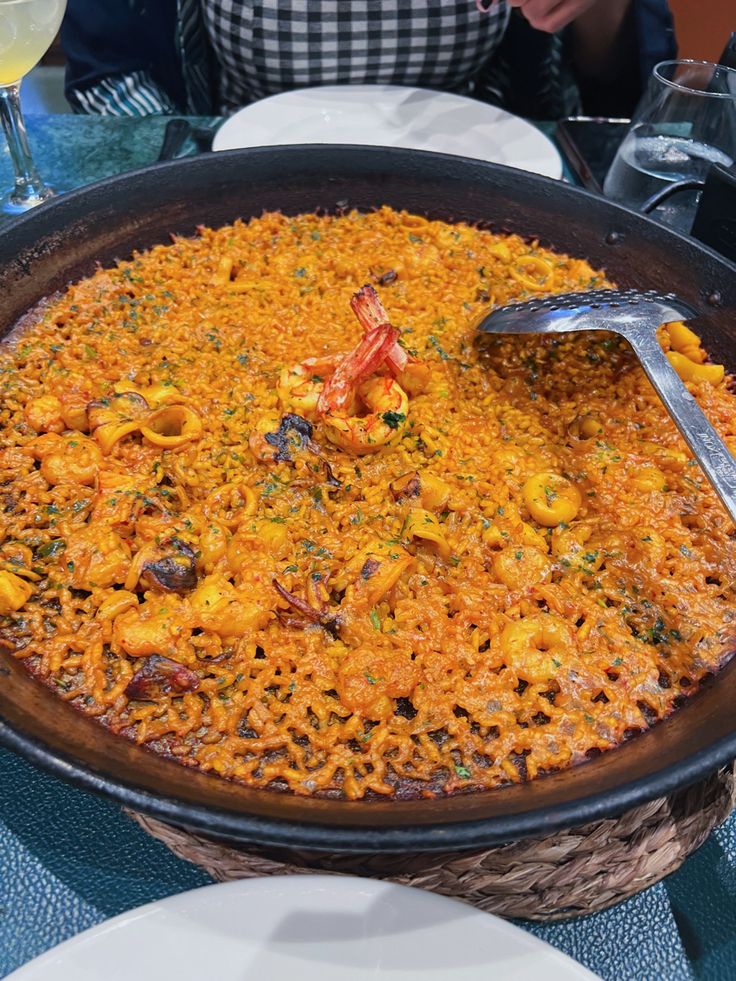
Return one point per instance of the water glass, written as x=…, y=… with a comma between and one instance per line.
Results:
x=685, y=123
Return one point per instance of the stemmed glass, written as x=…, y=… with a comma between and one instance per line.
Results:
x=27, y=28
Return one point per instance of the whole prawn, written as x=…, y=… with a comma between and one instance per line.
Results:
x=348, y=385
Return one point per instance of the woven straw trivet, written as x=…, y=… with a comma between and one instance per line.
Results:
x=565, y=874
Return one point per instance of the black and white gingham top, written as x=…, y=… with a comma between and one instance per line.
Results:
x=268, y=47
x=231, y=52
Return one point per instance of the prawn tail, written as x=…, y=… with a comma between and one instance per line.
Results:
x=367, y=357
x=368, y=308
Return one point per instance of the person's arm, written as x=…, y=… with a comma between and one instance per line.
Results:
x=612, y=45
x=600, y=37
x=126, y=94
x=121, y=57
x=598, y=30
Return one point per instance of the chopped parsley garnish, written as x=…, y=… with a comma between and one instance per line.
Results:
x=51, y=549
x=393, y=419
x=438, y=348
x=656, y=635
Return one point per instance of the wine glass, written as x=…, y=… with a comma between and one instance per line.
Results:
x=27, y=28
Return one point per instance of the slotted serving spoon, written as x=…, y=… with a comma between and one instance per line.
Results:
x=636, y=316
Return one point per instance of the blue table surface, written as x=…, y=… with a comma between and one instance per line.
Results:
x=69, y=860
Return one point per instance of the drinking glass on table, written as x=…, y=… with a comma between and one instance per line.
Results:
x=27, y=28
x=685, y=123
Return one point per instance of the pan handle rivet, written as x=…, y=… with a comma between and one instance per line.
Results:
x=714, y=298
x=613, y=238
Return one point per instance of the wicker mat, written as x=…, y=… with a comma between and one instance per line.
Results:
x=569, y=873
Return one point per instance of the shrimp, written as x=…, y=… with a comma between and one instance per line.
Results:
x=388, y=406
x=299, y=387
x=348, y=385
x=338, y=392
x=317, y=384
x=383, y=396
x=71, y=458
x=44, y=414
x=371, y=314
x=411, y=373
x=303, y=388
x=160, y=625
x=537, y=648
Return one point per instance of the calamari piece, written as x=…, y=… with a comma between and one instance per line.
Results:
x=111, y=419
x=422, y=524
x=172, y=426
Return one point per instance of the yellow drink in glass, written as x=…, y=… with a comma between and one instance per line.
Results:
x=27, y=28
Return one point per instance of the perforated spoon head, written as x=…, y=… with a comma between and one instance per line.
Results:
x=635, y=316
x=620, y=311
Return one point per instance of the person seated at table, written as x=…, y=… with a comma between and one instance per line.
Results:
x=540, y=58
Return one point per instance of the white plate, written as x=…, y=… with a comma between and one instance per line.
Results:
x=392, y=115
x=304, y=928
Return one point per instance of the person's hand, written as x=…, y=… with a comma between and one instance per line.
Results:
x=552, y=15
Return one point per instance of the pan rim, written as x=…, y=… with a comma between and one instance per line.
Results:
x=314, y=149
x=237, y=825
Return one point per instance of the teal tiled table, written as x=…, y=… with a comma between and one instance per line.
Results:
x=69, y=860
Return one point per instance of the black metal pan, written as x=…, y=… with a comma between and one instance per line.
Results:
x=63, y=241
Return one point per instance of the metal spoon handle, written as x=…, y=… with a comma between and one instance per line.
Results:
x=706, y=445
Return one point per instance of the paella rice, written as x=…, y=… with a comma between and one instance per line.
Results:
x=342, y=551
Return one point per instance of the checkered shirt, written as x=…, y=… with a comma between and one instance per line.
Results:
x=262, y=48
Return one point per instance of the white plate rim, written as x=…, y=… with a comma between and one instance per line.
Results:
x=49, y=963
x=550, y=160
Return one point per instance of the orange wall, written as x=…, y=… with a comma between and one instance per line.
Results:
x=703, y=27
